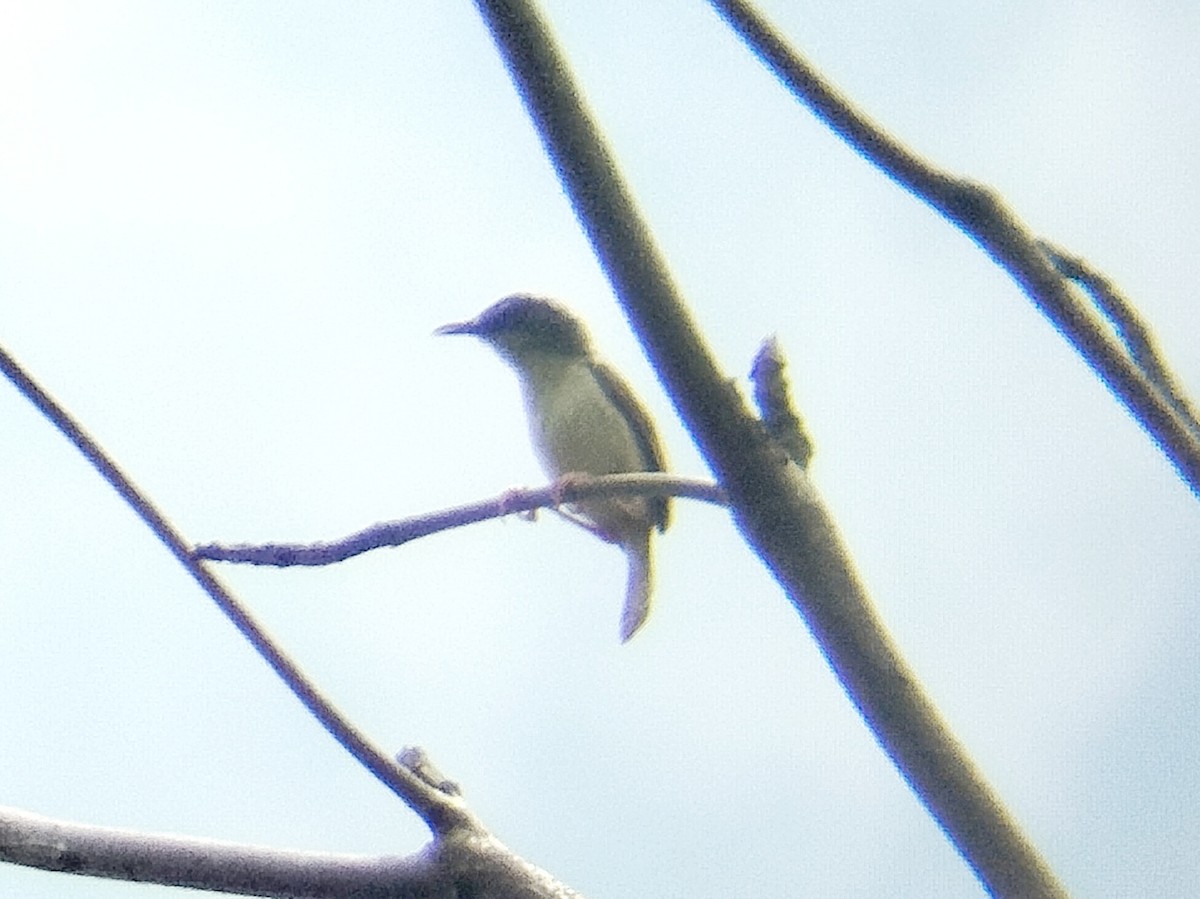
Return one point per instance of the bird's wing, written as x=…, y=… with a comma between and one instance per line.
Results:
x=619, y=394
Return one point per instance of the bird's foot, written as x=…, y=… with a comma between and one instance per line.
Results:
x=558, y=490
x=565, y=483
x=511, y=499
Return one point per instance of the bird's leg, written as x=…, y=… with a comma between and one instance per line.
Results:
x=565, y=482
x=561, y=485
x=588, y=525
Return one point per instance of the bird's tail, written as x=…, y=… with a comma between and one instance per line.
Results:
x=640, y=586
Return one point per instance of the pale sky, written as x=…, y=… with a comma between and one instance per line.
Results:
x=227, y=232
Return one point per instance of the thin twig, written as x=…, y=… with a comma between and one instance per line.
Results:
x=396, y=533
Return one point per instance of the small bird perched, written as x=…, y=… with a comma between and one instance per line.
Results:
x=583, y=419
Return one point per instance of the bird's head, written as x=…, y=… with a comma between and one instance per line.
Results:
x=522, y=326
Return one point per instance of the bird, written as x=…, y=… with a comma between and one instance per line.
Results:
x=583, y=420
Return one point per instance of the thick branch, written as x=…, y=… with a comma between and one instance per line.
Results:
x=51, y=845
x=774, y=504
x=466, y=861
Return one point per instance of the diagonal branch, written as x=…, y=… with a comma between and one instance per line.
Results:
x=1131, y=330
x=983, y=216
x=774, y=504
x=464, y=858
x=422, y=798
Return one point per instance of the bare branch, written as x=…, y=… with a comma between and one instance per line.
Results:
x=432, y=807
x=396, y=533
x=53, y=845
x=1131, y=330
x=984, y=217
x=775, y=505
x=464, y=860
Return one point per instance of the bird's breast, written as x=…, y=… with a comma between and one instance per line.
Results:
x=576, y=427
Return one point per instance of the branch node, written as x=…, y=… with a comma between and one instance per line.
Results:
x=773, y=398
x=417, y=761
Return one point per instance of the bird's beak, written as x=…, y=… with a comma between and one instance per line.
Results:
x=468, y=327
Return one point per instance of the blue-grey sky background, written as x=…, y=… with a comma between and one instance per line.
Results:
x=227, y=232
